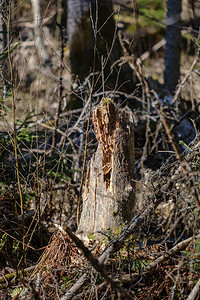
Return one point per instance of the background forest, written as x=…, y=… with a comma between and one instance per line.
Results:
x=61, y=63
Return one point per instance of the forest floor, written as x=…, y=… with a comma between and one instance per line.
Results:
x=159, y=257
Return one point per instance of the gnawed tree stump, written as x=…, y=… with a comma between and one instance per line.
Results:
x=108, y=198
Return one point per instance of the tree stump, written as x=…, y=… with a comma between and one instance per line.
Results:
x=108, y=198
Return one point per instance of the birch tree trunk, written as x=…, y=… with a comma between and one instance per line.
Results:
x=38, y=31
x=108, y=199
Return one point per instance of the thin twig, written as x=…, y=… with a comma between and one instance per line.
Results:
x=181, y=85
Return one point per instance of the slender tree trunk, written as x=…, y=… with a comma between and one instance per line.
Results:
x=36, y=8
x=173, y=46
x=108, y=199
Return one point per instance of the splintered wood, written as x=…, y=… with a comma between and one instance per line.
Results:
x=108, y=198
x=106, y=121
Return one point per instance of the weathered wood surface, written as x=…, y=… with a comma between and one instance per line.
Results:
x=108, y=199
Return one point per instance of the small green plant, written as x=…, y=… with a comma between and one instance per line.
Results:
x=3, y=241
x=190, y=149
x=194, y=256
x=14, y=293
x=15, y=246
x=138, y=265
x=197, y=246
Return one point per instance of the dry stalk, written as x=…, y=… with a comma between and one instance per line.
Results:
x=15, y=134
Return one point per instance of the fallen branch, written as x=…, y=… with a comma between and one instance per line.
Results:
x=72, y=292
x=83, y=294
x=97, y=265
x=114, y=245
x=172, y=251
x=195, y=293
x=125, y=279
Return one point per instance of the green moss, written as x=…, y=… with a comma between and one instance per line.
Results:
x=15, y=292
x=105, y=101
x=91, y=236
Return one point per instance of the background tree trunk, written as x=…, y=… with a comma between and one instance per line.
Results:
x=173, y=45
x=108, y=199
x=83, y=37
x=3, y=29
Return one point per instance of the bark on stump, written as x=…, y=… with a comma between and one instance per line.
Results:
x=108, y=199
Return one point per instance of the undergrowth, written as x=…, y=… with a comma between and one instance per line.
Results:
x=41, y=169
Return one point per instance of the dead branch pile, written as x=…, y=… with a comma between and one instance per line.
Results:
x=60, y=259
